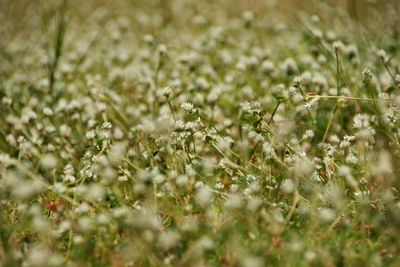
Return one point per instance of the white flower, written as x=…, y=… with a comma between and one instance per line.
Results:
x=327, y=215
x=49, y=161
x=287, y=186
x=248, y=16
x=269, y=151
x=47, y=111
x=234, y=188
x=5, y=159
x=21, y=139
x=308, y=134
x=69, y=173
x=234, y=201
x=382, y=55
x=166, y=91
x=397, y=78
x=338, y=45
x=107, y=125
x=361, y=121
x=366, y=133
x=187, y=106
x=268, y=66
x=91, y=134
x=219, y=186
x=367, y=74
x=351, y=158
x=204, y=195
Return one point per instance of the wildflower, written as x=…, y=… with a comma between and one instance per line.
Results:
x=308, y=105
x=366, y=134
x=269, y=151
x=168, y=239
x=268, y=66
x=107, y=125
x=188, y=107
x=166, y=91
x=338, y=45
x=21, y=139
x=290, y=66
x=219, y=186
x=248, y=16
x=351, y=158
x=382, y=55
x=69, y=173
x=90, y=134
x=204, y=195
x=104, y=134
x=397, y=78
x=233, y=187
x=47, y=111
x=182, y=180
x=287, y=186
x=326, y=215
x=65, y=130
x=384, y=164
x=234, y=201
x=308, y=134
x=367, y=74
x=5, y=159
x=49, y=161
x=162, y=49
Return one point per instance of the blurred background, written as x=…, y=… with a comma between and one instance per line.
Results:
x=27, y=25
x=380, y=17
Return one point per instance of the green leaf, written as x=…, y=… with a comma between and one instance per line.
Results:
x=209, y=139
x=279, y=98
x=391, y=89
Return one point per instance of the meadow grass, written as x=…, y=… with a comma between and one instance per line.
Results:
x=199, y=133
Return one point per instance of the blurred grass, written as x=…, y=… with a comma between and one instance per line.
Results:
x=378, y=17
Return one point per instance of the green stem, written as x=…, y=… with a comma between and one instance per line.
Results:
x=273, y=113
x=330, y=122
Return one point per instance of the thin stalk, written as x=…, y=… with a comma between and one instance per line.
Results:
x=347, y=97
x=388, y=70
x=172, y=111
x=61, y=29
x=273, y=113
x=295, y=201
x=330, y=122
x=304, y=98
x=337, y=71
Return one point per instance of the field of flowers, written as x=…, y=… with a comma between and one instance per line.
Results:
x=199, y=133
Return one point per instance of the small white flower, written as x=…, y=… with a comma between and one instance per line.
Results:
x=397, y=78
x=338, y=45
x=47, y=111
x=351, y=158
x=308, y=134
x=248, y=16
x=219, y=186
x=269, y=151
x=367, y=74
x=327, y=215
x=90, y=134
x=204, y=195
x=187, y=106
x=107, y=125
x=234, y=188
x=268, y=66
x=21, y=139
x=166, y=91
x=287, y=186
x=381, y=53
